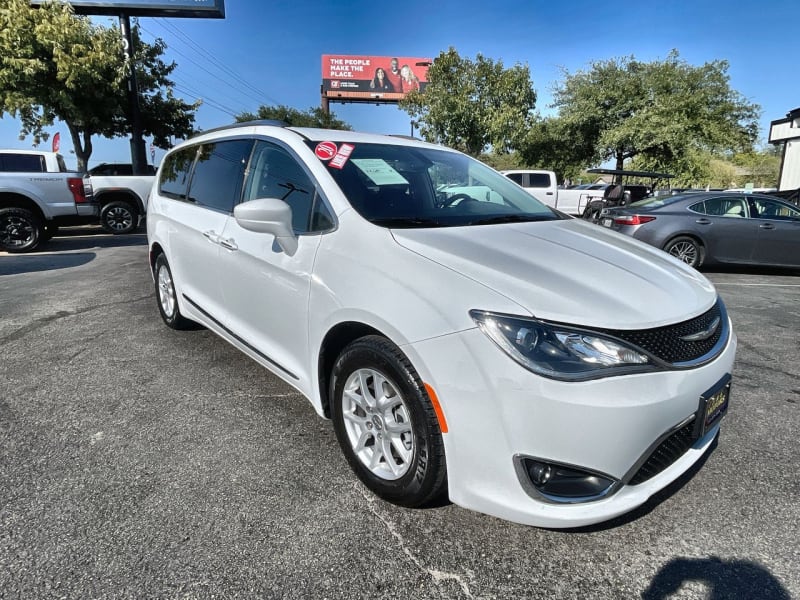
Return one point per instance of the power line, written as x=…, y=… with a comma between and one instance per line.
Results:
x=213, y=59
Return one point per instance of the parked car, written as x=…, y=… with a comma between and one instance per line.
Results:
x=464, y=338
x=38, y=194
x=714, y=227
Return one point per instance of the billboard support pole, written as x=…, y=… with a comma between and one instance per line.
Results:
x=326, y=105
x=138, y=151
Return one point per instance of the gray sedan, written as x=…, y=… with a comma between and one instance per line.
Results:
x=714, y=227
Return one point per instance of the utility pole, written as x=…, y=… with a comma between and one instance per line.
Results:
x=138, y=151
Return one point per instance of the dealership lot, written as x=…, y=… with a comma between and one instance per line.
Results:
x=142, y=462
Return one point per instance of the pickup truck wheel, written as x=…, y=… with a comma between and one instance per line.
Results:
x=168, y=298
x=119, y=217
x=20, y=230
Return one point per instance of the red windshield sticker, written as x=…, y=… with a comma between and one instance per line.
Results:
x=341, y=157
x=325, y=150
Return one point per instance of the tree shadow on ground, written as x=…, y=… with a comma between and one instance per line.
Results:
x=723, y=579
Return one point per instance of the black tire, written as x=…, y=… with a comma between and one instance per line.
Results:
x=165, y=289
x=423, y=477
x=20, y=230
x=119, y=217
x=687, y=249
x=50, y=230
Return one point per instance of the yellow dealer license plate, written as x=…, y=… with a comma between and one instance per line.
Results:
x=713, y=406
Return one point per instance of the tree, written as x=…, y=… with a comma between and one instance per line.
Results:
x=660, y=112
x=55, y=65
x=471, y=105
x=313, y=117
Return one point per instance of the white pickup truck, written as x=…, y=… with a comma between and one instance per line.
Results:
x=37, y=195
x=121, y=197
x=543, y=186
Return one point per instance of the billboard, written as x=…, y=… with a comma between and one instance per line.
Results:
x=362, y=78
x=214, y=9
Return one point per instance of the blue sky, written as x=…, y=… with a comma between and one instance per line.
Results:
x=276, y=46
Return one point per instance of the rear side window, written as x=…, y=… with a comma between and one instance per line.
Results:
x=175, y=171
x=539, y=180
x=219, y=173
x=22, y=163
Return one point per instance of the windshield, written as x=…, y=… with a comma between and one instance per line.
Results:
x=404, y=186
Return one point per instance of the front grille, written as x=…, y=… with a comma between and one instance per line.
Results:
x=666, y=343
x=666, y=453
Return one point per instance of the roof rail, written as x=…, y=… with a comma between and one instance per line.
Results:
x=270, y=122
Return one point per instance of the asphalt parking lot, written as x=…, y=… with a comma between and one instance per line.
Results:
x=137, y=461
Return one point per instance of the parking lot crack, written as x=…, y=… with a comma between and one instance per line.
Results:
x=63, y=314
x=437, y=576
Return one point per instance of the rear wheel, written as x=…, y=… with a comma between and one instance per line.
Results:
x=119, y=217
x=386, y=424
x=686, y=249
x=168, y=298
x=20, y=230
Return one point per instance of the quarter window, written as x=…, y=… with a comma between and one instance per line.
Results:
x=219, y=174
x=175, y=170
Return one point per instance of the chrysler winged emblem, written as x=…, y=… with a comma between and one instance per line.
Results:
x=703, y=334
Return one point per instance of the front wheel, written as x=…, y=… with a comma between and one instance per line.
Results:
x=386, y=425
x=686, y=249
x=20, y=230
x=119, y=217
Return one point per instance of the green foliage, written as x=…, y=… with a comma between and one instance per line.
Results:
x=762, y=169
x=666, y=113
x=471, y=105
x=313, y=117
x=55, y=65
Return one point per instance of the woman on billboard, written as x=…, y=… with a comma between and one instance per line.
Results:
x=380, y=82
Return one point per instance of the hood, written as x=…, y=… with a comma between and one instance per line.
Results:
x=569, y=271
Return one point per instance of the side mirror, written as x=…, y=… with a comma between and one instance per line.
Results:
x=268, y=215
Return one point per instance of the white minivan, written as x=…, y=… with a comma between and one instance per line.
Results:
x=465, y=339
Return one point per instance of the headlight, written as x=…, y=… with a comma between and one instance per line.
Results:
x=561, y=352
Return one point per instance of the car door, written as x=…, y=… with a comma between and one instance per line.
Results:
x=725, y=229
x=778, y=232
x=266, y=290
x=197, y=218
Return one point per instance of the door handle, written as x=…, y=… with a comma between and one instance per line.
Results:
x=767, y=226
x=228, y=243
x=549, y=193
x=703, y=222
x=212, y=236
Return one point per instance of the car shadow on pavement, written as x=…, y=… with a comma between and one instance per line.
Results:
x=15, y=264
x=723, y=579
x=750, y=270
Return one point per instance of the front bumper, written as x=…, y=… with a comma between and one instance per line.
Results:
x=496, y=410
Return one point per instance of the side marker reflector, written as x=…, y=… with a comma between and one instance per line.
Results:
x=437, y=408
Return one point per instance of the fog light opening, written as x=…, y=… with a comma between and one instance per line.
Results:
x=564, y=484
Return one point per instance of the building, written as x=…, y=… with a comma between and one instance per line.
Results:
x=787, y=132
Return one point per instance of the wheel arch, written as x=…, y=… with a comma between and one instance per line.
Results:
x=104, y=197
x=11, y=200
x=335, y=340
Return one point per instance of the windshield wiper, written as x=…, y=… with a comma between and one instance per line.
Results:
x=511, y=219
x=405, y=222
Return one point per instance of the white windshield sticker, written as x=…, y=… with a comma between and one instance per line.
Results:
x=379, y=171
